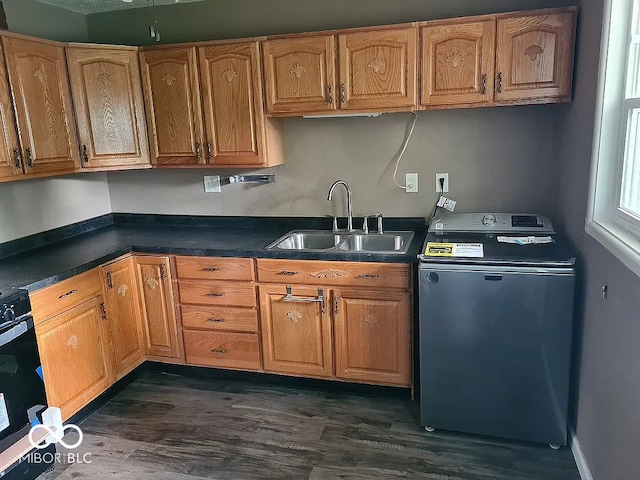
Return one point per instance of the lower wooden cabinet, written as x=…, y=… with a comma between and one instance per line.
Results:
x=75, y=354
x=372, y=336
x=296, y=331
x=222, y=349
x=123, y=314
x=157, y=305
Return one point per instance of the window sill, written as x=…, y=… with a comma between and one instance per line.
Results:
x=623, y=245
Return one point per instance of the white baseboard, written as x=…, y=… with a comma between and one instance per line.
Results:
x=581, y=461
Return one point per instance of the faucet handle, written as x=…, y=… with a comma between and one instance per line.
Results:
x=380, y=229
x=365, y=224
x=334, y=228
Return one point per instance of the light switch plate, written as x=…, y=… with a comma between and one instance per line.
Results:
x=212, y=184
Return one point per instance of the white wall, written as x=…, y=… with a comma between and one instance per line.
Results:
x=498, y=159
x=33, y=206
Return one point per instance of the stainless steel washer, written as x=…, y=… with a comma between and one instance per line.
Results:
x=496, y=329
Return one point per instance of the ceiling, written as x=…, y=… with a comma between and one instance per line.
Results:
x=97, y=6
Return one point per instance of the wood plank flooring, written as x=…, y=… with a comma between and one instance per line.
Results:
x=167, y=427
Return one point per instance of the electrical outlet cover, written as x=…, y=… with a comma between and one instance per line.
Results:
x=411, y=182
x=212, y=184
x=446, y=182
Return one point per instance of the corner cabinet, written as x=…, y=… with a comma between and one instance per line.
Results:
x=107, y=94
x=205, y=107
x=39, y=82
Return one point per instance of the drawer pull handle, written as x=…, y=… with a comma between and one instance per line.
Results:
x=221, y=352
x=319, y=299
x=216, y=320
x=211, y=269
x=212, y=294
x=288, y=273
x=368, y=275
x=68, y=293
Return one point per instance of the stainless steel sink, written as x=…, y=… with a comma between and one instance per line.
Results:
x=324, y=241
x=386, y=242
x=307, y=241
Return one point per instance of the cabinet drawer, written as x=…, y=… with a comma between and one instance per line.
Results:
x=220, y=318
x=352, y=274
x=215, y=349
x=57, y=298
x=215, y=268
x=217, y=293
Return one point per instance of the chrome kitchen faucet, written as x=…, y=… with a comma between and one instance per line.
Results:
x=349, y=204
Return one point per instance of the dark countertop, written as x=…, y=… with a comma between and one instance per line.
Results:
x=48, y=264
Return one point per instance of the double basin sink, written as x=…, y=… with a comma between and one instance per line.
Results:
x=325, y=241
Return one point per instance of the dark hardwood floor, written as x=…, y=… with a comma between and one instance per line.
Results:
x=167, y=427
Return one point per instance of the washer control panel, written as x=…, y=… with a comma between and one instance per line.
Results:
x=509, y=223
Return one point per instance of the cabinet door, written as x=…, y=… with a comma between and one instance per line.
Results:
x=379, y=69
x=534, y=58
x=40, y=85
x=158, y=312
x=300, y=74
x=296, y=335
x=107, y=94
x=458, y=63
x=174, y=109
x=372, y=335
x=76, y=356
x=123, y=314
x=233, y=113
x=10, y=154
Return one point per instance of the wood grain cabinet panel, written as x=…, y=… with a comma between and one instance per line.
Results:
x=379, y=69
x=300, y=74
x=534, y=57
x=372, y=336
x=202, y=317
x=157, y=306
x=296, y=336
x=63, y=295
x=174, y=108
x=214, y=268
x=228, y=350
x=238, y=132
x=76, y=356
x=235, y=294
x=107, y=94
x=123, y=314
x=458, y=63
x=11, y=165
x=40, y=84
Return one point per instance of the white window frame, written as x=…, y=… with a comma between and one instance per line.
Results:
x=616, y=229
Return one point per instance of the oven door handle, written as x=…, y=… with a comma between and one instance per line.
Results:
x=10, y=335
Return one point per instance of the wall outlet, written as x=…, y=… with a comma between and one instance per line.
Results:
x=411, y=181
x=445, y=188
x=212, y=184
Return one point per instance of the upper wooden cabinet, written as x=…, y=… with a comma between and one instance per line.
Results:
x=209, y=111
x=379, y=69
x=502, y=59
x=11, y=165
x=238, y=132
x=174, y=109
x=107, y=94
x=300, y=74
x=38, y=77
x=458, y=63
x=534, y=57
